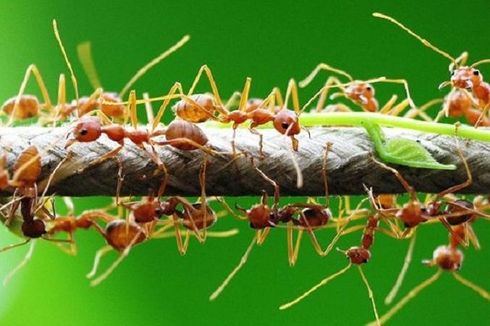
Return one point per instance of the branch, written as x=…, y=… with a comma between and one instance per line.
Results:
x=349, y=164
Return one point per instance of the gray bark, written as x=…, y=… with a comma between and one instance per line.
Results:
x=349, y=165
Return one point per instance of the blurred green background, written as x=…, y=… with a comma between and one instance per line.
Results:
x=269, y=41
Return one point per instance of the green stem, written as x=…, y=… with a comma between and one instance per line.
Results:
x=356, y=119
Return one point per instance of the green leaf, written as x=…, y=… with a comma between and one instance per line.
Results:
x=402, y=151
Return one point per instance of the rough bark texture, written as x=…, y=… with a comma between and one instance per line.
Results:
x=349, y=165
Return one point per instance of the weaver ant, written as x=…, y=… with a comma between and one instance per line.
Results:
x=359, y=92
x=202, y=107
x=462, y=77
x=356, y=255
x=446, y=258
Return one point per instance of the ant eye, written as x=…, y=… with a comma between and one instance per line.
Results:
x=285, y=125
x=84, y=131
x=452, y=72
x=369, y=88
x=476, y=72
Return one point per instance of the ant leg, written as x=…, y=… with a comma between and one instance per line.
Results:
x=180, y=141
x=406, y=263
x=320, y=106
x=84, y=52
x=370, y=294
x=398, y=81
x=272, y=182
x=413, y=293
x=292, y=91
x=204, y=204
x=153, y=63
x=148, y=108
x=116, y=263
x=98, y=256
x=293, y=250
x=482, y=116
x=12, y=246
x=24, y=262
x=178, y=235
x=214, y=87
x=132, y=109
x=112, y=153
x=467, y=183
x=230, y=276
x=32, y=69
x=323, y=66
x=472, y=286
x=314, y=288
x=387, y=108
x=408, y=188
x=177, y=87
x=262, y=235
x=261, y=139
x=413, y=113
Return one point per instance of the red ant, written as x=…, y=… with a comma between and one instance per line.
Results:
x=360, y=92
x=202, y=107
x=357, y=256
x=447, y=258
x=462, y=77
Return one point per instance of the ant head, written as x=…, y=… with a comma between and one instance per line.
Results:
x=286, y=122
x=466, y=77
x=33, y=229
x=386, y=201
x=197, y=218
x=259, y=216
x=460, y=206
x=120, y=234
x=314, y=217
x=447, y=258
x=87, y=129
x=358, y=255
x=359, y=91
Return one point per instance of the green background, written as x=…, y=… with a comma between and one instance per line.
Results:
x=270, y=42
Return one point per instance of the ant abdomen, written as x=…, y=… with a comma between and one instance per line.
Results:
x=179, y=129
x=28, y=107
x=121, y=234
x=457, y=207
x=313, y=217
x=28, y=165
x=195, y=113
x=197, y=219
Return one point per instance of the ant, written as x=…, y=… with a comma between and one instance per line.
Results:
x=202, y=107
x=110, y=102
x=448, y=258
x=359, y=92
x=357, y=255
x=462, y=76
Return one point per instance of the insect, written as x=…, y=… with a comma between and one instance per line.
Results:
x=357, y=255
x=462, y=76
x=360, y=92
x=202, y=107
x=446, y=258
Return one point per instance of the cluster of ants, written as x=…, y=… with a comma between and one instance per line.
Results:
x=30, y=212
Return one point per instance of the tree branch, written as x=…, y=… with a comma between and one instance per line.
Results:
x=349, y=164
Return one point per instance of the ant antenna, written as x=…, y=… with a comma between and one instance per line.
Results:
x=152, y=63
x=323, y=66
x=416, y=290
x=421, y=39
x=242, y=262
x=314, y=288
x=406, y=263
x=67, y=61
